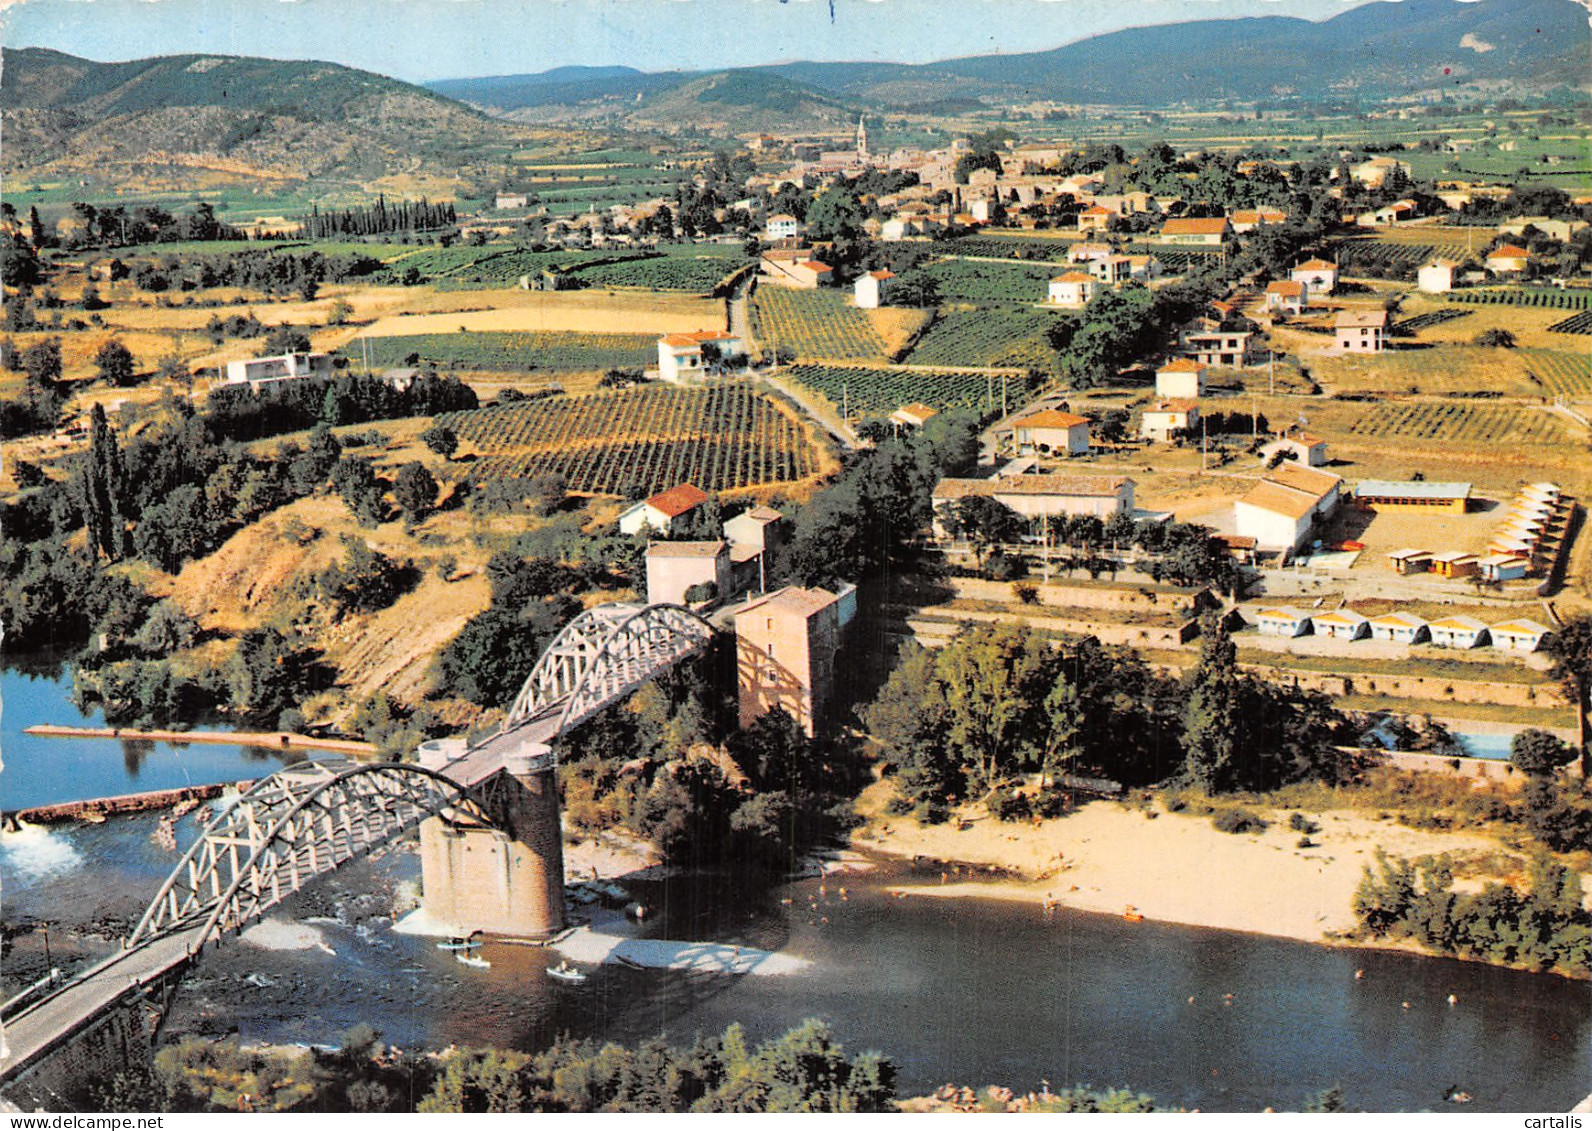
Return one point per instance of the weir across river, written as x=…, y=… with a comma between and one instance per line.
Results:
x=488, y=812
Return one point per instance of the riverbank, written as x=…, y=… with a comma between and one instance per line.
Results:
x=271, y=739
x=1168, y=867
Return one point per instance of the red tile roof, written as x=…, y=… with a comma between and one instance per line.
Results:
x=1195, y=226
x=1050, y=418
x=676, y=501
x=1183, y=365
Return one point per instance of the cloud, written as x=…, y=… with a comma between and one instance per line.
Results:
x=1475, y=43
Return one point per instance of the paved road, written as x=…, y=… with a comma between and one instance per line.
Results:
x=35, y=1031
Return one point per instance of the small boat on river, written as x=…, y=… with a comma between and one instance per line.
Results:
x=472, y=960
x=564, y=972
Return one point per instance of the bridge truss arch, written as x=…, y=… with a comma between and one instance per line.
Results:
x=289, y=828
x=603, y=655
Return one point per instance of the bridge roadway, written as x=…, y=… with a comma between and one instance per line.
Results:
x=44, y=1025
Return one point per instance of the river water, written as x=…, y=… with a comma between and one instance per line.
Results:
x=975, y=991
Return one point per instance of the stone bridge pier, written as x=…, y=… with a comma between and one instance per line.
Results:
x=507, y=878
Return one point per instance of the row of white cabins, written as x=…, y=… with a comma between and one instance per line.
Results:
x=1519, y=634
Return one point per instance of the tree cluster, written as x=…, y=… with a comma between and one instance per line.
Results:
x=378, y=219
x=237, y=412
x=1546, y=927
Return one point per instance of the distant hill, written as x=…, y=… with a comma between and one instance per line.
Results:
x=198, y=120
x=1375, y=50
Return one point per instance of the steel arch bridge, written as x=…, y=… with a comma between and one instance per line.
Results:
x=603, y=655
x=291, y=827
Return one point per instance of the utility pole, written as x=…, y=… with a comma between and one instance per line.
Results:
x=1202, y=445
x=1271, y=372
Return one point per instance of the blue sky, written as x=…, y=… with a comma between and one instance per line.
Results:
x=432, y=39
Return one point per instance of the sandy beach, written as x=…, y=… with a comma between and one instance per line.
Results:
x=1170, y=867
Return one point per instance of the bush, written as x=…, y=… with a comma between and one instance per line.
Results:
x=1238, y=821
x=1025, y=593
x=1299, y=823
x=932, y=812
x=1009, y=805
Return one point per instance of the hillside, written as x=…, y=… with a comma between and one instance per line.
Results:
x=1375, y=50
x=205, y=120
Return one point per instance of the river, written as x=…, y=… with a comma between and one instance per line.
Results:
x=975, y=991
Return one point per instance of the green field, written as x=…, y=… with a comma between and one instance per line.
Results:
x=965, y=280
x=1547, y=298
x=999, y=336
x=814, y=325
x=995, y=246
x=879, y=392
x=697, y=275
x=514, y=352
x=1465, y=423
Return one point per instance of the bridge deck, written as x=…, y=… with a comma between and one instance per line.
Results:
x=39, y=1028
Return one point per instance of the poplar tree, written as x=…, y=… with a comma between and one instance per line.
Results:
x=1211, y=717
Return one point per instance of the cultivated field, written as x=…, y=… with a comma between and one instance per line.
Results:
x=1466, y=424
x=969, y=280
x=1000, y=337
x=1436, y=370
x=554, y=351
x=879, y=392
x=724, y=437
x=814, y=325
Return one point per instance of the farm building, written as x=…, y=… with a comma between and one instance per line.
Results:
x=872, y=289
x=261, y=371
x=1280, y=513
x=1036, y=496
x=673, y=568
x=1159, y=423
x=1561, y=230
x=1144, y=268
x=1240, y=548
x=663, y=510
x=1504, y=567
x=1510, y=259
x=1317, y=274
x=1437, y=277
x=682, y=359
x=1073, y=290
x=1454, y=564
x=1399, y=628
x=785, y=647
x=1361, y=331
x=1413, y=495
x=1458, y=632
x=1519, y=635
x=912, y=415
x=1410, y=561
x=1287, y=296
x=1295, y=443
x=1051, y=431
x=1196, y=232
x=1341, y=624
x=1181, y=379
x=1282, y=621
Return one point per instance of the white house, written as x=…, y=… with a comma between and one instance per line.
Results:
x=1287, y=296
x=1509, y=259
x=1361, y=331
x=1281, y=512
x=1180, y=379
x=914, y=415
x=681, y=360
x=663, y=510
x=258, y=371
x=1341, y=624
x=1073, y=289
x=1458, y=632
x=1283, y=620
x=673, y=568
x=1398, y=628
x=1436, y=277
x=872, y=289
x=1052, y=431
x=1317, y=274
x=1111, y=269
x=1305, y=447
x=783, y=227
x=1159, y=423
x=1520, y=635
